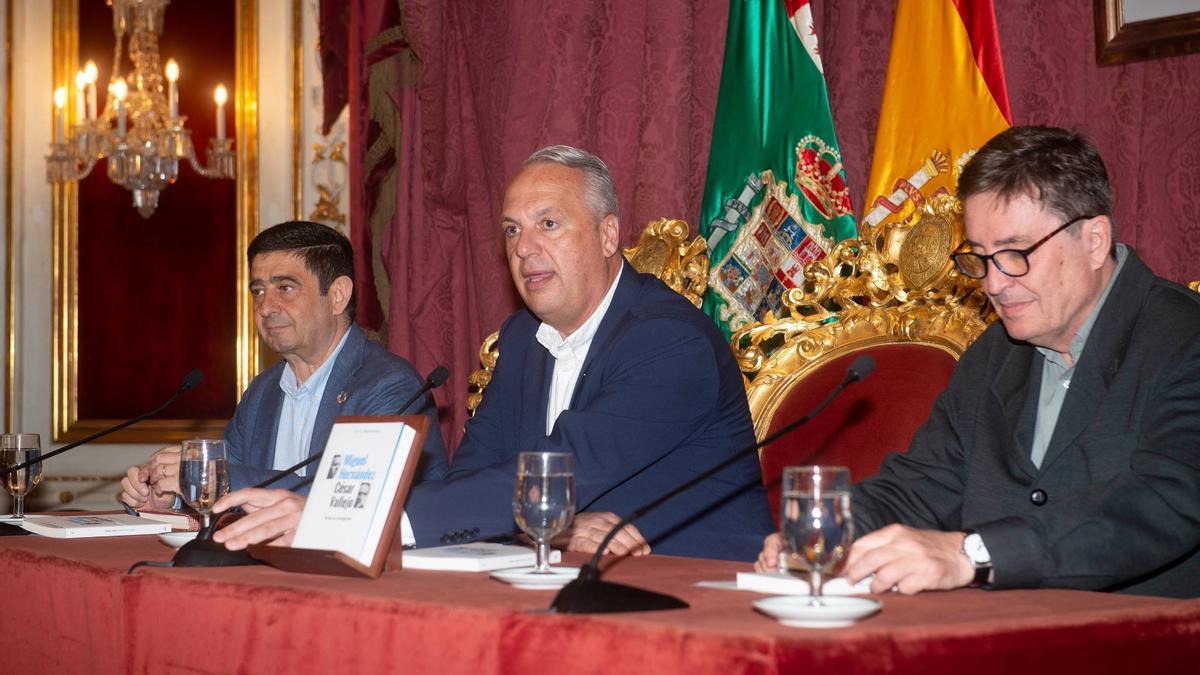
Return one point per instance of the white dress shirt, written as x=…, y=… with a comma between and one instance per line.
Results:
x=569, y=353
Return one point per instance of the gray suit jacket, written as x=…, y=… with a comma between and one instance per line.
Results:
x=373, y=380
x=1116, y=502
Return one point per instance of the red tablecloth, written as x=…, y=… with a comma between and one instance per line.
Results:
x=70, y=607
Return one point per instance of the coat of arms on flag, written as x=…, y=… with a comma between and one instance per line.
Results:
x=776, y=242
x=772, y=120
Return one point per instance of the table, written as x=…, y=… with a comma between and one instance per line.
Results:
x=70, y=608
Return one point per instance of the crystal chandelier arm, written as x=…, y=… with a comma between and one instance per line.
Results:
x=220, y=158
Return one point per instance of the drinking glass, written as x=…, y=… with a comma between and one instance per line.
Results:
x=544, y=501
x=17, y=449
x=203, y=474
x=816, y=521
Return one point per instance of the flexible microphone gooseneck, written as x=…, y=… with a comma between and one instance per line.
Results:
x=189, y=382
x=588, y=594
x=204, y=552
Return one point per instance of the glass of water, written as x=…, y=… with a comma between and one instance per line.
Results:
x=544, y=501
x=15, y=450
x=203, y=474
x=816, y=520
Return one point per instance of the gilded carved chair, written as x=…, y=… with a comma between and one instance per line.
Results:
x=892, y=293
x=662, y=250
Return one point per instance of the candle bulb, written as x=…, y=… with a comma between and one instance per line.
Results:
x=119, y=90
x=60, y=102
x=220, y=96
x=90, y=73
x=80, y=97
x=173, y=88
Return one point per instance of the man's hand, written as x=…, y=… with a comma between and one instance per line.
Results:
x=153, y=485
x=909, y=560
x=768, y=558
x=163, y=470
x=272, y=515
x=588, y=529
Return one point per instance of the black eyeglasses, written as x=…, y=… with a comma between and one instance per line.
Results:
x=1013, y=262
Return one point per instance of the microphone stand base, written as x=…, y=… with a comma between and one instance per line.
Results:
x=208, y=553
x=593, y=596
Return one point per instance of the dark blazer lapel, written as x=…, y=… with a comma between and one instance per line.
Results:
x=1011, y=387
x=262, y=438
x=629, y=289
x=348, y=362
x=535, y=367
x=1102, y=355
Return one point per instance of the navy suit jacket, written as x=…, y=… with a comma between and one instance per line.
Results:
x=659, y=400
x=374, y=381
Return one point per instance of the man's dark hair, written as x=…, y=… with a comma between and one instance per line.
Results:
x=327, y=253
x=1056, y=167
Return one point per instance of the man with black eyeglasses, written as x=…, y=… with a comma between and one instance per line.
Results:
x=1066, y=450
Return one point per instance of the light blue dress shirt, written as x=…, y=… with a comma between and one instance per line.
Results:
x=301, y=402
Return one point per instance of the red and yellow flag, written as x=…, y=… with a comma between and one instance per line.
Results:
x=944, y=96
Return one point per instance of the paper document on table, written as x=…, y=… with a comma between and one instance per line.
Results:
x=786, y=584
x=474, y=557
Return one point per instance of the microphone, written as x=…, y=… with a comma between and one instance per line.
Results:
x=189, y=382
x=204, y=552
x=587, y=594
x=436, y=379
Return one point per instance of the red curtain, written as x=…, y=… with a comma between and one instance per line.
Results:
x=636, y=82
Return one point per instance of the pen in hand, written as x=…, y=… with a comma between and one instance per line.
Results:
x=129, y=509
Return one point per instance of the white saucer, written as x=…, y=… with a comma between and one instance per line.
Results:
x=176, y=539
x=525, y=577
x=833, y=612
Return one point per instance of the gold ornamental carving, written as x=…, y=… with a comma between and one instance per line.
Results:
x=895, y=283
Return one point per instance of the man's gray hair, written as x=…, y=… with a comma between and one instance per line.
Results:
x=601, y=196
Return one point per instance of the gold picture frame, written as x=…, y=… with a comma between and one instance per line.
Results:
x=66, y=423
x=1121, y=41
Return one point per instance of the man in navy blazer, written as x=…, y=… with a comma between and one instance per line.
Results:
x=606, y=364
x=302, y=284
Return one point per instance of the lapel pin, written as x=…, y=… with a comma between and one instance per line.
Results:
x=341, y=398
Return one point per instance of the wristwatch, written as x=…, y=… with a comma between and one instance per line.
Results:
x=977, y=553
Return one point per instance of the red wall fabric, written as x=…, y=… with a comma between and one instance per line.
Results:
x=636, y=82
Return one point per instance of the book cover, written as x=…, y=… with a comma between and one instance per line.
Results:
x=92, y=525
x=474, y=557
x=351, y=494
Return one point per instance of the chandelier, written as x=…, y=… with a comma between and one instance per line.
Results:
x=139, y=130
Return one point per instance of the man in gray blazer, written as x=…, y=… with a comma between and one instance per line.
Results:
x=1066, y=450
x=302, y=285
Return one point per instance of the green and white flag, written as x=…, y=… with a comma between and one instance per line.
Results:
x=776, y=195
